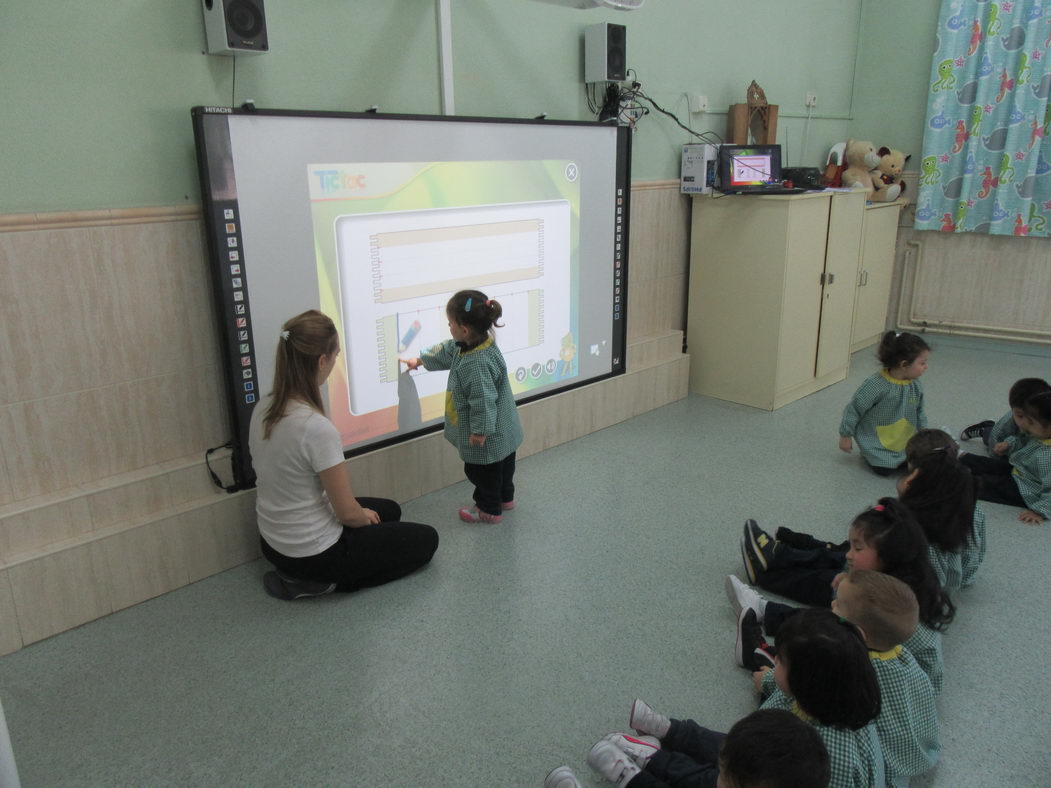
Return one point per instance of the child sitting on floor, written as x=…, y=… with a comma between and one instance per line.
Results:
x=1026, y=479
x=794, y=756
x=993, y=434
x=887, y=409
x=942, y=495
x=885, y=538
x=823, y=675
x=885, y=610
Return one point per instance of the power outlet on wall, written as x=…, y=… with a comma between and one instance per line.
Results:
x=811, y=99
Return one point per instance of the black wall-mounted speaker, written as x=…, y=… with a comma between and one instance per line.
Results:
x=605, y=53
x=235, y=27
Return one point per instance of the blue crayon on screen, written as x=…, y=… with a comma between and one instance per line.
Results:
x=410, y=335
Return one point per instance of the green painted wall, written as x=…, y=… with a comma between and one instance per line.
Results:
x=96, y=96
x=894, y=64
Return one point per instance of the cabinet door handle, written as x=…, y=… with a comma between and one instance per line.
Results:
x=831, y=278
x=865, y=275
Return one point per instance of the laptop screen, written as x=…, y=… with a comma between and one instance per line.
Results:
x=749, y=167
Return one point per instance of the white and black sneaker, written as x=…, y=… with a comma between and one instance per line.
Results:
x=742, y=596
x=613, y=763
x=639, y=747
x=643, y=719
x=561, y=777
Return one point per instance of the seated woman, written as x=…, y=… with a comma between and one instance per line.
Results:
x=318, y=536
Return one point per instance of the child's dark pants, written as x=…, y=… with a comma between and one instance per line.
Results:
x=494, y=483
x=995, y=479
x=689, y=756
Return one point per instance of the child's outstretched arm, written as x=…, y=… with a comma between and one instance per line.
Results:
x=439, y=356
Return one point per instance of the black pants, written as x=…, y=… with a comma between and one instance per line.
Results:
x=879, y=470
x=995, y=479
x=689, y=757
x=803, y=573
x=494, y=483
x=368, y=556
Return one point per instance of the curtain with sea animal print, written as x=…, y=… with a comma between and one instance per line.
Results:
x=986, y=164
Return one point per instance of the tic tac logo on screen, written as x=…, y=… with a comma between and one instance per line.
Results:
x=364, y=180
x=336, y=182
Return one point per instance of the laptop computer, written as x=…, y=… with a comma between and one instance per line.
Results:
x=751, y=169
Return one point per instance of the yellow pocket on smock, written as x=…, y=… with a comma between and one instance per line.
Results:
x=895, y=436
x=451, y=416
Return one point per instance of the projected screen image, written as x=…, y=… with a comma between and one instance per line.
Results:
x=390, y=268
x=377, y=221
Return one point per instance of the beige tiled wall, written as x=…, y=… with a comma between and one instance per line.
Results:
x=98, y=372
x=110, y=392
x=658, y=258
x=10, y=631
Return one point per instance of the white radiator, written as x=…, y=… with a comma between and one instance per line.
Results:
x=975, y=285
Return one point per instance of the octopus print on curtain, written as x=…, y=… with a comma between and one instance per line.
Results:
x=986, y=165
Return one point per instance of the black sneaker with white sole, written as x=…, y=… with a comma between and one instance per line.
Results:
x=976, y=430
x=759, y=546
x=288, y=588
x=751, y=650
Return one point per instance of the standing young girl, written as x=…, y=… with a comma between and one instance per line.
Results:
x=887, y=409
x=481, y=419
x=1025, y=480
x=318, y=536
x=885, y=538
x=941, y=493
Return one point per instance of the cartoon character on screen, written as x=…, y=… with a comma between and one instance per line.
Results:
x=567, y=358
x=481, y=419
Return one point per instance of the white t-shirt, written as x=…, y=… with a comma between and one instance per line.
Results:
x=293, y=512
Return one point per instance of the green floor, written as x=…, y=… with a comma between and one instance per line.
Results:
x=524, y=643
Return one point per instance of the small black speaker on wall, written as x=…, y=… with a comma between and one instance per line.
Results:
x=605, y=53
x=235, y=27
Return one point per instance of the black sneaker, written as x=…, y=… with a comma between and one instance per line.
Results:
x=976, y=430
x=288, y=588
x=759, y=545
x=763, y=657
x=750, y=640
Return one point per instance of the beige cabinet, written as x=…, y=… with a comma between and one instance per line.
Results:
x=879, y=236
x=772, y=291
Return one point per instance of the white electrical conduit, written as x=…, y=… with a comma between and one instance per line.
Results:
x=445, y=54
x=8, y=770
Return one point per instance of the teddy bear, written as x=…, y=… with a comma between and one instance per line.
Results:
x=891, y=165
x=862, y=172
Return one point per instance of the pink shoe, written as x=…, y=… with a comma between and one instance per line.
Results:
x=475, y=515
x=507, y=505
